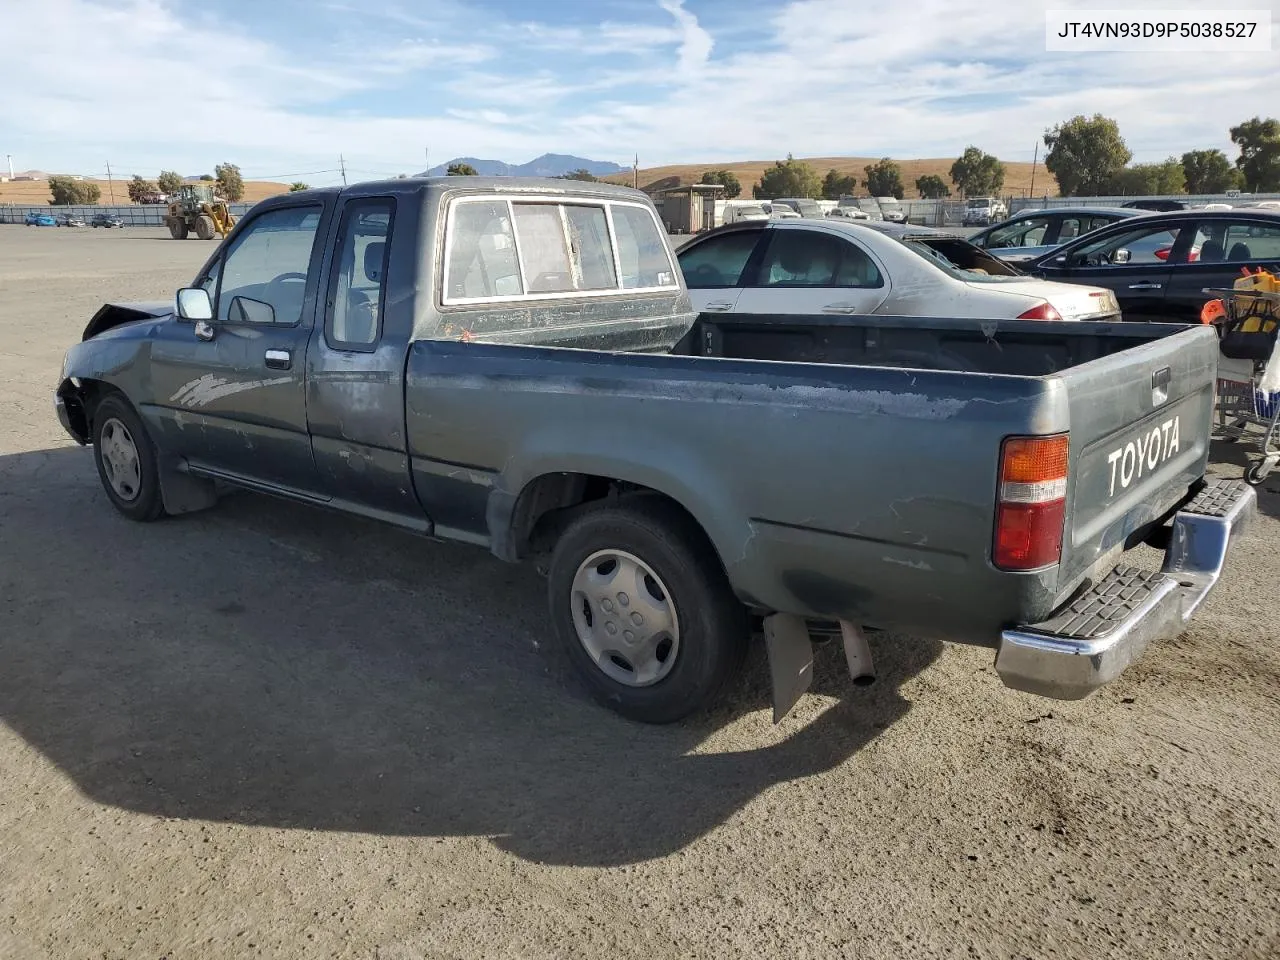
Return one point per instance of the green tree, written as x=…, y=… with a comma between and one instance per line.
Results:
x=793, y=178
x=1150, y=179
x=1209, y=171
x=977, y=174
x=732, y=187
x=580, y=174
x=140, y=189
x=169, y=181
x=1084, y=154
x=884, y=179
x=836, y=185
x=932, y=187
x=1259, y=160
x=461, y=170
x=230, y=183
x=208, y=177
x=298, y=187
x=67, y=190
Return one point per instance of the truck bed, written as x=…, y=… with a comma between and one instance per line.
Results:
x=890, y=522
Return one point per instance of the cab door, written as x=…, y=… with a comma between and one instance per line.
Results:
x=231, y=396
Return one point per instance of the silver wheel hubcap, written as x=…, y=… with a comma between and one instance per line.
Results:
x=625, y=618
x=120, y=459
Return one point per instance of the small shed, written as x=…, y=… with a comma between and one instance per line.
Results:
x=691, y=208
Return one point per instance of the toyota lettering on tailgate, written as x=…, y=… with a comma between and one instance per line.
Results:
x=1144, y=455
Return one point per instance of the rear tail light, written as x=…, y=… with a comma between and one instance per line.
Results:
x=1044, y=311
x=1162, y=253
x=1032, y=502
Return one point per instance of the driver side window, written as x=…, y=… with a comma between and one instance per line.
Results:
x=267, y=265
x=1137, y=246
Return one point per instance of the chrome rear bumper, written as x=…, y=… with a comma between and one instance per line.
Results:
x=1091, y=640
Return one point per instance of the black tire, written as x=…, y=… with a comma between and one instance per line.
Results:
x=147, y=504
x=205, y=229
x=1254, y=475
x=712, y=623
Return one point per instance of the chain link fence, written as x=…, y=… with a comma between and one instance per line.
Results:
x=133, y=214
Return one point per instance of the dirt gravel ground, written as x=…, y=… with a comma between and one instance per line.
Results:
x=266, y=731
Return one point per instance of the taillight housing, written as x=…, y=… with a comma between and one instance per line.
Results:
x=1031, y=503
x=1044, y=311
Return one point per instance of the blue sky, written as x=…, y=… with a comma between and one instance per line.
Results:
x=283, y=87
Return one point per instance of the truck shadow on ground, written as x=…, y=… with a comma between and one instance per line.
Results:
x=275, y=665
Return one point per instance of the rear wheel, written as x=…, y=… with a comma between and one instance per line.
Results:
x=642, y=608
x=126, y=460
x=204, y=228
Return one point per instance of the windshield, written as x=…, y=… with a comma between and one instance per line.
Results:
x=891, y=202
x=962, y=260
x=808, y=208
x=979, y=203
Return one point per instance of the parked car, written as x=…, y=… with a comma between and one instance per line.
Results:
x=106, y=220
x=870, y=268
x=382, y=350
x=779, y=211
x=981, y=211
x=891, y=210
x=803, y=207
x=38, y=218
x=1032, y=233
x=741, y=212
x=1158, y=265
x=849, y=213
x=70, y=220
x=1156, y=204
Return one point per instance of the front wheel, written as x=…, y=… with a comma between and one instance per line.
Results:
x=126, y=460
x=644, y=611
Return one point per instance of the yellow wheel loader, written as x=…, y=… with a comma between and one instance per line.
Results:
x=197, y=210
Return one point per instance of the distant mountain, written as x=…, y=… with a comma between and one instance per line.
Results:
x=547, y=165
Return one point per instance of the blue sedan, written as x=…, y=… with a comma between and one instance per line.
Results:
x=36, y=219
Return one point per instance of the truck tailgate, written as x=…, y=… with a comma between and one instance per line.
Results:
x=1140, y=423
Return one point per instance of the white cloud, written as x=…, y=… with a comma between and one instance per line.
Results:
x=820, y=77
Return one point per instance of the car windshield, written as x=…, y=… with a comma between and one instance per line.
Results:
x=960, y=259
x=979, y=203
x=808, y=208
x=890, y=202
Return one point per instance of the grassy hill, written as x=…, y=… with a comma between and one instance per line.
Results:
x=37, y=191
x=1017, y=176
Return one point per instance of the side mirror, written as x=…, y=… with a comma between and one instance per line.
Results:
x=245, y=310
x=1121, y=256
x=194, y=304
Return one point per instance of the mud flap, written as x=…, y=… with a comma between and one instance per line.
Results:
x=857, y=654
x=183, y=493
x=790, y=660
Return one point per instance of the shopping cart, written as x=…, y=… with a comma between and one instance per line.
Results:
x=1242, y=405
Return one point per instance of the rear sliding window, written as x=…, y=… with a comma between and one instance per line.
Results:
x=534, y=248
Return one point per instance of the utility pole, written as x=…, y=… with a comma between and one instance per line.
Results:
x=111, y=184
x=342, y=165
x=635, y=172
x=1035, y=158
x=426, y=158
x=9, y=157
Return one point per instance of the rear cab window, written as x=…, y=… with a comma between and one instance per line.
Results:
x=531, y=248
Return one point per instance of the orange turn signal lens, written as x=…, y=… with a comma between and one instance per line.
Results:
x=1034, y=459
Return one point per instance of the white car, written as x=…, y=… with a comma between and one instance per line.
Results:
x=892, y=210
x=848, y=213
x=868, y=268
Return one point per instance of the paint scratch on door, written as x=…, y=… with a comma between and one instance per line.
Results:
x=202, y=392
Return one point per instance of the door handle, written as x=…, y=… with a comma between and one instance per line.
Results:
x=279, y=359
x=841, y=308
x=719, y=306
x=1145, y=285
